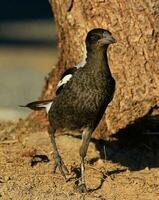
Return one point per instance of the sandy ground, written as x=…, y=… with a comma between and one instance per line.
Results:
x=130, y=171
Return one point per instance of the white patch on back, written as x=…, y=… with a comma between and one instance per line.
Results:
x=64, y=80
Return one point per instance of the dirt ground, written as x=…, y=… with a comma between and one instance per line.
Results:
x=129, y=170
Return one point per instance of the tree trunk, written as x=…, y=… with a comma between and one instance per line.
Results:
x=134, y=60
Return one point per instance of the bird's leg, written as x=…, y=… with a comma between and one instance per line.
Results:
x=86, y=136
x=58, y=160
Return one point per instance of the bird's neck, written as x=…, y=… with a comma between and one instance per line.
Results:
x=98, y=60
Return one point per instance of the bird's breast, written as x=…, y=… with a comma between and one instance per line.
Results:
x=82, y=101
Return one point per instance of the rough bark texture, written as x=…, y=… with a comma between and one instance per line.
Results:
x=134, y=60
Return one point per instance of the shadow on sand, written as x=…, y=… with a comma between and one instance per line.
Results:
x=136, y=146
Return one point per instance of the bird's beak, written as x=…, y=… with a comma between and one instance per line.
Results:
x=112, y=39
x=107, y=40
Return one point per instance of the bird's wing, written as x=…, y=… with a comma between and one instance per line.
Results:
x=66, y=76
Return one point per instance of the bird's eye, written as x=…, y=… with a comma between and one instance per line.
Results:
x=105, y=34
x=95, y=37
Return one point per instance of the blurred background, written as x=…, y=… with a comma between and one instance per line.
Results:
x=27, y=53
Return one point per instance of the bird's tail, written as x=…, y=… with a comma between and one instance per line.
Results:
x=39, y=105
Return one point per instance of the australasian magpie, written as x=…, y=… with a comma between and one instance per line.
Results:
x=83, y=94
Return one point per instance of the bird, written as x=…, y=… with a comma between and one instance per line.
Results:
x=82, y=96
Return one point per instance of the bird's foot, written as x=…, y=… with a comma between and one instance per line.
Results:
x=82, y=188
x=60, y=164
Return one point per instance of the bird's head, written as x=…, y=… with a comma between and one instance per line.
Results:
x=99, y=38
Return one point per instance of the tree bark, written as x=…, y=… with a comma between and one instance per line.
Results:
x=134, y=60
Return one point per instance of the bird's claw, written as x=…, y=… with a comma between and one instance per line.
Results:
x=60, y=164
